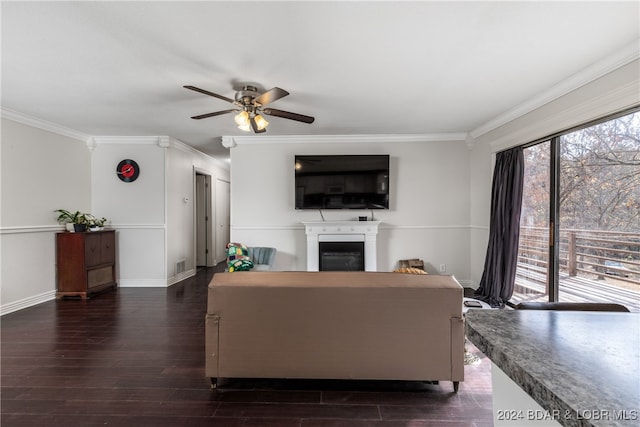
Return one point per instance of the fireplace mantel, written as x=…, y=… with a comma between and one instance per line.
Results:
x=342, y=231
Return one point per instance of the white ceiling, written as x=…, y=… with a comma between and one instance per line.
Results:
x=117, y=68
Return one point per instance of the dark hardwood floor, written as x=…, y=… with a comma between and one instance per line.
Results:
x=135, y=357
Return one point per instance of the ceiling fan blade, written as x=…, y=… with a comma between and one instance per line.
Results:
x=217, y=113
x=206, y=92
x=254, y=126
x=288, y=115
x=271, y=95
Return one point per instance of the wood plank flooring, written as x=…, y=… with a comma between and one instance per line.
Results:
x=135, y=357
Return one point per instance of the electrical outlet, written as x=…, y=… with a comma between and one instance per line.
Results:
x=443, y=268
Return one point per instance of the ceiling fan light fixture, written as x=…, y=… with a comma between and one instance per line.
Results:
x=249, y=102
x=261, y=122
x=242, y=119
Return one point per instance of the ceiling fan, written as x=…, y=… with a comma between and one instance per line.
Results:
x=250, y=105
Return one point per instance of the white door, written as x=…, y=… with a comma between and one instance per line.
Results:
x=223, y=218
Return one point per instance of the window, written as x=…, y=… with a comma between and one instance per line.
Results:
x=580, y=224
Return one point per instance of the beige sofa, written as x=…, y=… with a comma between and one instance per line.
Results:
x=335, y=325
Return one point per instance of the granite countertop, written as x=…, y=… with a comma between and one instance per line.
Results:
x=582, y=366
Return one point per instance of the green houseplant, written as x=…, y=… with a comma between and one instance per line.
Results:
x=75, y=221
x=78, y=221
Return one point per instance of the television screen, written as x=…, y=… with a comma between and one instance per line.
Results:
x=342, y=182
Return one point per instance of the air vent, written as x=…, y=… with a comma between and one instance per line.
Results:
x=180, y=266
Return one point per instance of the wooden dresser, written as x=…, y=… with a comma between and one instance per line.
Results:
x=85, y=263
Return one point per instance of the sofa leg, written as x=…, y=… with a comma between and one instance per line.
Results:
x=456, y=386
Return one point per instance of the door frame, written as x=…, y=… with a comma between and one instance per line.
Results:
x=209, y=230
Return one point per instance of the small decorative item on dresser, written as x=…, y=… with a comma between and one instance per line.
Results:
x=95, y=224
x=79, y=222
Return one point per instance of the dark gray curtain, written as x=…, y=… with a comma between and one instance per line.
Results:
x=496, y=285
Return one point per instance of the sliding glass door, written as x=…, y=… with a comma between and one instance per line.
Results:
x=599, y=195
x=532, y=273
x=580, y=223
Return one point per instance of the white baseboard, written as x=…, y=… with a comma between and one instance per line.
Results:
x=180, y=277
x=27, y=302
x=155, y=283
x=465, y=283
x=142, y=283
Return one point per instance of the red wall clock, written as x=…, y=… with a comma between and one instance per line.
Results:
x=128, y=170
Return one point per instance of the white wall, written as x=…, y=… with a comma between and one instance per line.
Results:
x=429, y=200
x=154, y=222
x=481, y=173
x=40, y=171
x=136, y=210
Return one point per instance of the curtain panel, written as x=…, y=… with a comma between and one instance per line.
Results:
x=498, y=277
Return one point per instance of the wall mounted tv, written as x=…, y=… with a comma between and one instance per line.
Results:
x=342, y=182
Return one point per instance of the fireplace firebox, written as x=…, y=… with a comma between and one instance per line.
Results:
x=341, y=256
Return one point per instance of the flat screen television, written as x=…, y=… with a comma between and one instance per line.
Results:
x=342, y=182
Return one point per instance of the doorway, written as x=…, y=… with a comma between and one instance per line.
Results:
x=204, y=232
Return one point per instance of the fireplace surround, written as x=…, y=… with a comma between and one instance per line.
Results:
x=342, y=232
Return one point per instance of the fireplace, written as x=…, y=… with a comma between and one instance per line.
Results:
x=348, y=235
x=341, y=256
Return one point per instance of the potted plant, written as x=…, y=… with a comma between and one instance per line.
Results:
x=74, y=221
x=78, y=221
x=95, y=224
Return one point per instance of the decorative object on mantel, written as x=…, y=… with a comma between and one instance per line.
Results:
x=79, y=222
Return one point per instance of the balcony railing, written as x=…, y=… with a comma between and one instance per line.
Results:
x=596, y=266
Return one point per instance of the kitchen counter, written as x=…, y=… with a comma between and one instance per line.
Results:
x=582, y=368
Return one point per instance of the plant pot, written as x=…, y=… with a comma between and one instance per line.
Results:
x=69, y=226
x=79, y=228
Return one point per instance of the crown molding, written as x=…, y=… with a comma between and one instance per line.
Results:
x=626, y=55
x=186, y=148
x=161, y=141
x=35, y=122
x=618, y=99
x=233, y=141
x=179, y=145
